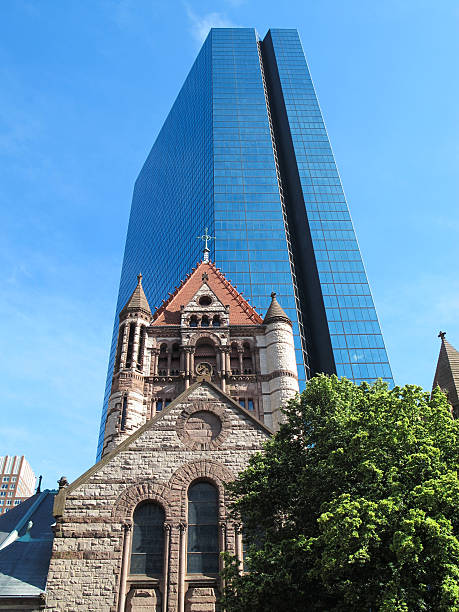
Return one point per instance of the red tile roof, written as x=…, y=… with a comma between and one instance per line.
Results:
x=241, y=312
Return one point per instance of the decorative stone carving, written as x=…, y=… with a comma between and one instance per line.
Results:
x=200, y=598
x=141, y=599
x=202, y=425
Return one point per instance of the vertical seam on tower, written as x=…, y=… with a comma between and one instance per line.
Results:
x=284, y=213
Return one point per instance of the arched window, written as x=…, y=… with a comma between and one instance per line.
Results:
x=202, y=557
x=205, y=321
x=205, y=352
x=175, y=359
x=118, y=348
x=234, y=359
x=162, y=361
x=130, y=346
x=194, y=321
x=247, y=362
x=141, y=348
x=216, y=321
x=148, y=540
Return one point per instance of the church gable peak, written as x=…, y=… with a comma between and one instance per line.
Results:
x=206, y=277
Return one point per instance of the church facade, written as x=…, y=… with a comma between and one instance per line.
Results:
x=196, y=391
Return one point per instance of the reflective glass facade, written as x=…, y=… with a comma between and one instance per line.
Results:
x=244, y=152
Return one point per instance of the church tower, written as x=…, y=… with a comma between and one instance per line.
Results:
x=197, y=389
x=205, y=329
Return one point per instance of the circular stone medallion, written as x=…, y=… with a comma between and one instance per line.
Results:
x=203, y=427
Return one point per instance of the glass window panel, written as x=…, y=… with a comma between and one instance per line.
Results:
x=202, y=553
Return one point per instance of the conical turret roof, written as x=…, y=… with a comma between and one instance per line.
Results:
x=138, y=300
x=275, y=312
x=447, y=372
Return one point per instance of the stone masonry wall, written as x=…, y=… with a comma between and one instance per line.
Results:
x=157, y=463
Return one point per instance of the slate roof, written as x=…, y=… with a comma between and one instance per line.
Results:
x=241, y=312
x=447, y=372
x=25, y=553
x=138, y=299
x=275, y=312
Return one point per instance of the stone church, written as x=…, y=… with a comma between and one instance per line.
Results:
x=197, y=387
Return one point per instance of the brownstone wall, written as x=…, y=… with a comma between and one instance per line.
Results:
x=159, y=463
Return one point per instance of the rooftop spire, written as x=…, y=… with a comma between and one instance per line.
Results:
x=205, y=237
x=447, y=372
x=275, y=312
x=138, y=299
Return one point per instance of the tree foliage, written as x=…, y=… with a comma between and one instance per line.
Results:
x=353, y=505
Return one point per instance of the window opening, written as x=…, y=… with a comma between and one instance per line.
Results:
x=124, y=414
x=148, y=540
x=118, y=348
x=141, y=350
x=202, y=556
x=130, y=347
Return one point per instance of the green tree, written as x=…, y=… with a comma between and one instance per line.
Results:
x=353, y=505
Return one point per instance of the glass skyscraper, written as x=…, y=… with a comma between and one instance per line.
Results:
x=244, y=151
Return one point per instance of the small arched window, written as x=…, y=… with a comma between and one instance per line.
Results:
x=194, y=321
x=247, y=361
x=148, y=540
x=205, y=321
x=202, y=557
x=234, y=359
x=141, y=348
x=118, y=348
x=130, y=346
x=162, y=361
x=216, y=321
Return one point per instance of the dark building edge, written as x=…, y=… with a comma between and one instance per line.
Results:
x=313, y=313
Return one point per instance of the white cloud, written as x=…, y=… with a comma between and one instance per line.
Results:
x=201, y=24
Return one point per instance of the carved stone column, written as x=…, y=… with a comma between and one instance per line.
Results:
x=169, y=359
x=127, y=528
x=187, y=350
x=135, y=347
x=221, y=541
x=238, y=546
x=167, y=545
x=182, y=567
x=240, y=352
x=154, y=362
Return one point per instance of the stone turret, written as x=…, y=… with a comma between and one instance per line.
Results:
x=282, y=383
x=126, y=407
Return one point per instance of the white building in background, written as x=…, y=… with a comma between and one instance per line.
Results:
x=17, y=481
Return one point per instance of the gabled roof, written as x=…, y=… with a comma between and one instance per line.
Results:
x=241, y=312
x=447, y=372
x=60, y=498
x=25, y=550
x=138, y=300
x=275, y=312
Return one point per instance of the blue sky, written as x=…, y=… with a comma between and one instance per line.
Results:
x=86, y=85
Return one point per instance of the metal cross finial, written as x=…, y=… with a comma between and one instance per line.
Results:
x=442, y=335
x=205, y=237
